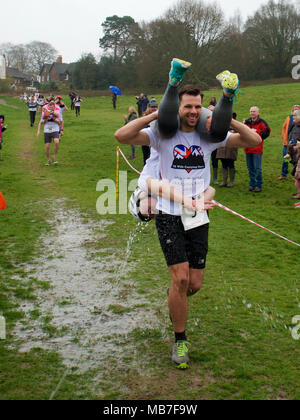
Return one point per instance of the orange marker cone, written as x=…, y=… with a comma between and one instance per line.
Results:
x=2, y=202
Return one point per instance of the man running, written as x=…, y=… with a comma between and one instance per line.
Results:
x=185, y=156
x=51, y=121
x=32, y=108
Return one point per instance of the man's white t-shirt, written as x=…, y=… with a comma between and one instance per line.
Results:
x=51, y=127
x=150, y=170
x=184, y=161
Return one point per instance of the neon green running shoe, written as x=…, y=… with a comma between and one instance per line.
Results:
x=180, y=355
x=178, y=68
x=230, y=83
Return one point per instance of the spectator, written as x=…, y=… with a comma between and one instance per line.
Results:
x=2, y=129
x=114, y=100
x=130, y=117
x=215, y=164
x=254, y=154
x=142, y=103
x=294, y=147
x=213, y=101
x=228, y=156
x=294, y=153
x=152, y=107
x=285, y=134
x=297, y=169
x=139, y=104
x=214, y=159
x=145, y=102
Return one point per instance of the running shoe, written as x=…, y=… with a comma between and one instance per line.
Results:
x=230, y=83
x=180, y=355
x=48, y=163
x=178, y=68
x=297, y=205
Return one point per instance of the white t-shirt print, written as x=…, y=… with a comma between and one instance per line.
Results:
x=184, y=163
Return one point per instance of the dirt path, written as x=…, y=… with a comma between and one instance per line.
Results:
x=3, y=102
x=80, y=306
x=85, y=303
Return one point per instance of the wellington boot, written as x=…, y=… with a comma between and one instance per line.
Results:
x=224, y=176
x=231, y=176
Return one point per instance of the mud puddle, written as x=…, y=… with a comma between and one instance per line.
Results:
x=80, y=309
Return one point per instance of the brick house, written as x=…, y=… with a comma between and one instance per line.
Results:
x=18, y=77
x=44, y=74
x=57, y=72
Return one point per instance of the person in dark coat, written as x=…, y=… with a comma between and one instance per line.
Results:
x=142, y=103
x=228, y=156
x=114, y=100
x=132, y=115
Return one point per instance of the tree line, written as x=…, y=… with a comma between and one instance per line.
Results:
x=138, y=54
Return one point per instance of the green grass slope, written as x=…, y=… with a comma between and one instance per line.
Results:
x=240, y=322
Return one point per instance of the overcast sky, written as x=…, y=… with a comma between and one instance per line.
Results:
x=73, y=27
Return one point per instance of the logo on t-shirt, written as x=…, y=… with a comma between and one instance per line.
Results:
x=188, y=158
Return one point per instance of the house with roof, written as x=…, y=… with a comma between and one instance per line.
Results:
x=18, y=77
x=44, y=74
x=57, y=72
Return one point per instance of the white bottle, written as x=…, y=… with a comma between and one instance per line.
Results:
x=2, y=328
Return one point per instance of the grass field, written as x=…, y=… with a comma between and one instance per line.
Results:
x=84, y=295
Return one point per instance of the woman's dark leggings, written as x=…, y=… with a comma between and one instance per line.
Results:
x=169, y=123
x=214, y=160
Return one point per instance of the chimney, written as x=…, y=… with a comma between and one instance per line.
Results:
x=59, y=59
x=3, y=68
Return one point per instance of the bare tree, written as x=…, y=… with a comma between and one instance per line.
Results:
x=204, y=25
x=16, y=55
x=205, y=22
x=40, y=53
x=274, y=34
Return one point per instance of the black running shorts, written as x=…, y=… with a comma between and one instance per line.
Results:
x=181, y=246
x=49, y=136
